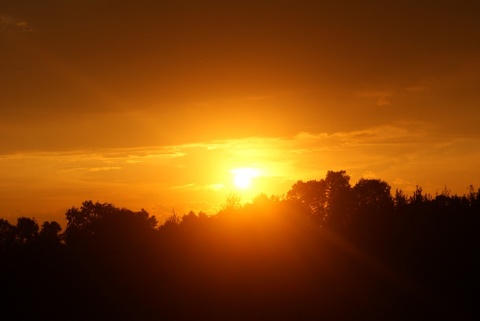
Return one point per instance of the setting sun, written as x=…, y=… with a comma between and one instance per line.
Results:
x=242, y=178
x=239, y=160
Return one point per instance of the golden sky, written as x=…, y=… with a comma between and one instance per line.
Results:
x=153, y=103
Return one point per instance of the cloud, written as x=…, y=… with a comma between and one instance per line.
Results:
x=383, y=101
x=183, y=186
x=94, y=169
x=381, y=97
x=417, y=88
x=176, y=174
x=12, y=24
x=369, y=175
x=373, y=94
x=400, y=181
x=384, y=97
x=217, y=186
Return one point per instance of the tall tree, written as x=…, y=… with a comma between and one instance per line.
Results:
x=311, y=195
x=50, y=232
x=26, y=230
x=373, y=195
x=7, y=234
x=373, y=201
x=339, y=199
x=104, y=220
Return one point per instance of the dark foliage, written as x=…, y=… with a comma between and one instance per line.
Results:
x=327, y=251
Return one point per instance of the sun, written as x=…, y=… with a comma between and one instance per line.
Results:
x=242, y=177
x=242, y=181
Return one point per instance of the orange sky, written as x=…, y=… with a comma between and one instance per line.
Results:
x=153, y=103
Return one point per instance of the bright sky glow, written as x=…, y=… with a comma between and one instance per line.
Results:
x=187, y=103
x=242, y=177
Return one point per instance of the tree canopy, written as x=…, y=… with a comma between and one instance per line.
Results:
x=326, y=250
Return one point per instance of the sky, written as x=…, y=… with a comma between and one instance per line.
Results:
x=158, y=104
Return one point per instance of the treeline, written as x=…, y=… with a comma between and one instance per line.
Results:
x=325, y=250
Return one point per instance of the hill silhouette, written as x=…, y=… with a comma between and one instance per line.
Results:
x=327, y=250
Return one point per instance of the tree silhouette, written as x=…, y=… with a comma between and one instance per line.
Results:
x=372, y=218
x=50, y=232
x=339, y=199
x=26, y=230
x=372, y=199
x=171, y=222
x=233, y=202
x=373, y=194
x=82, y=221
x=311, y=195
x=100, y=220
x=400, y=199
x=326, y=251
x=7, y=235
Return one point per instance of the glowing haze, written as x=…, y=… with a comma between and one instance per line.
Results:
x=175, y=105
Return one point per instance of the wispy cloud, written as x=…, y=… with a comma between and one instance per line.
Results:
x=404, y=154
x=373, y=94
x=216, y=187
x=183, y=186
x=13, y=24
x=382, y=98
x=417, y=88
x=369, y=175
x=385, y=97
x=94, y=169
